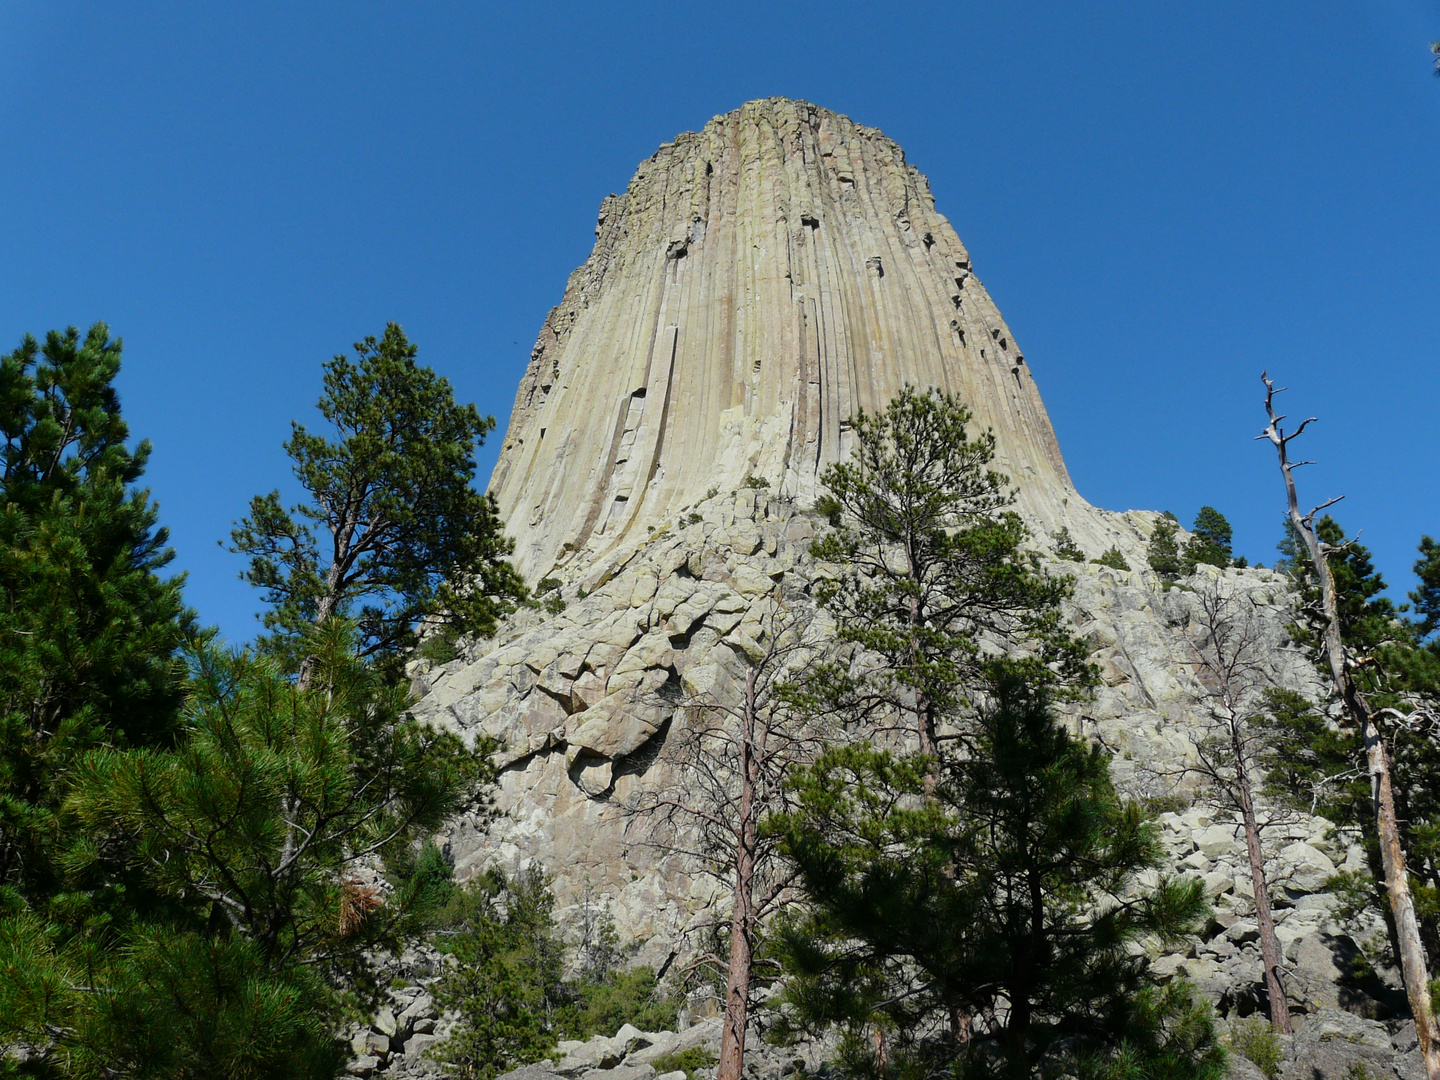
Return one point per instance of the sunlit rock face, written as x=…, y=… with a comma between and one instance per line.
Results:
x=758, y=283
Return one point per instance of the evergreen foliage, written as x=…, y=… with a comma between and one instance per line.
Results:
x=508, y=980
x=1113, y=558
x=88, y=626
x=1164, y=551
x=1395, y=668
x=931, y=567
x=252, y=839
x=999, y=889
x=1065, y=546
x=1426, y=599
x=1209, y=542
x=405, y=536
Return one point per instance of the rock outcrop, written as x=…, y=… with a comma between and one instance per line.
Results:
x=758, y=283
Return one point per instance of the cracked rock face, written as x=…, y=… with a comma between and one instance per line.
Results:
x=759, y=282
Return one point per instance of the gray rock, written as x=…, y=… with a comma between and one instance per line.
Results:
x=598, y=1053
x=1330, y=1044
x=621, y=1072
x=632, y=1038
x=538, y=1071
x=663, y=1043
x=385, y=1022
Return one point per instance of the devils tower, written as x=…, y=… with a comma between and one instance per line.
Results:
x=757, y=284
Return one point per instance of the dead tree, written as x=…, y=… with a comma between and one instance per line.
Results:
x=737, y=735
x=1367, y=724
x=1231, y=749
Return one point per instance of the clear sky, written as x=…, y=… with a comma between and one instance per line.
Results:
x=1163, y=199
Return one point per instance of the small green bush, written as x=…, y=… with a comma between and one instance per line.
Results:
x=692, y=1060
x=549, y=584
x=756, y=482
x=693, y=518
x=1065, y=546
x=603, y=1006
x=1165, y=804
x=1113, y=559
x=439, y=648
x=1255, y=1039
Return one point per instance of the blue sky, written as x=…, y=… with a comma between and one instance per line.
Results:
x=1163, y=199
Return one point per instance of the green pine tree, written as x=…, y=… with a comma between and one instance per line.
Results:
x=1427, y=598
x=88, y=626
x=1164, y=551
x=1396, y=669
x=258, y=834
x=1209, y=542
x=931, y=566
x=986, y=923
x=405, y=536
x=507, y=980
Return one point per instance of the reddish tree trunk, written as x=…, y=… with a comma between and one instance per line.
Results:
x=1269, y=944
x=742, y=919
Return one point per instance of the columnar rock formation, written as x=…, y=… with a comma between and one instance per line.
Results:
x=757, y=284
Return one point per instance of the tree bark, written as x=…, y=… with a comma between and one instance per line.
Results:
x=742, y=920
x=1264, y=919
x=1397, y=882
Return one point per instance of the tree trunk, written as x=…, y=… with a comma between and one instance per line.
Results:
x=1269, y=944
x=742, y=922
x=1413, y=968
x=1397, y=883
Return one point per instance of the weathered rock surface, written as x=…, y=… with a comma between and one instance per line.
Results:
x=757, y=283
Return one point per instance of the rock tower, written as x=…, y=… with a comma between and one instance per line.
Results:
x=757, y=284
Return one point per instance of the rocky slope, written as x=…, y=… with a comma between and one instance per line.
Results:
x=757, y=283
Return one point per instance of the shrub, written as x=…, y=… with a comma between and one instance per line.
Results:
x=756, y=482
x=1065, y=546
x=1164, y=553
x=440, y=647
x=1113, y=559
x=692, y=1060
x=605, y=1005
x=1256, y=1039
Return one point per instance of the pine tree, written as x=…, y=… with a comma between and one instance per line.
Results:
x=1209, y=542
x=985, y=923
x=88, y=626
x=258, y=834
x=931, y=568
x=1396, y=670
x=506, y=983
x=1344, y=664
x=405, y=537
x=1164, y=551
x=1427, y=598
